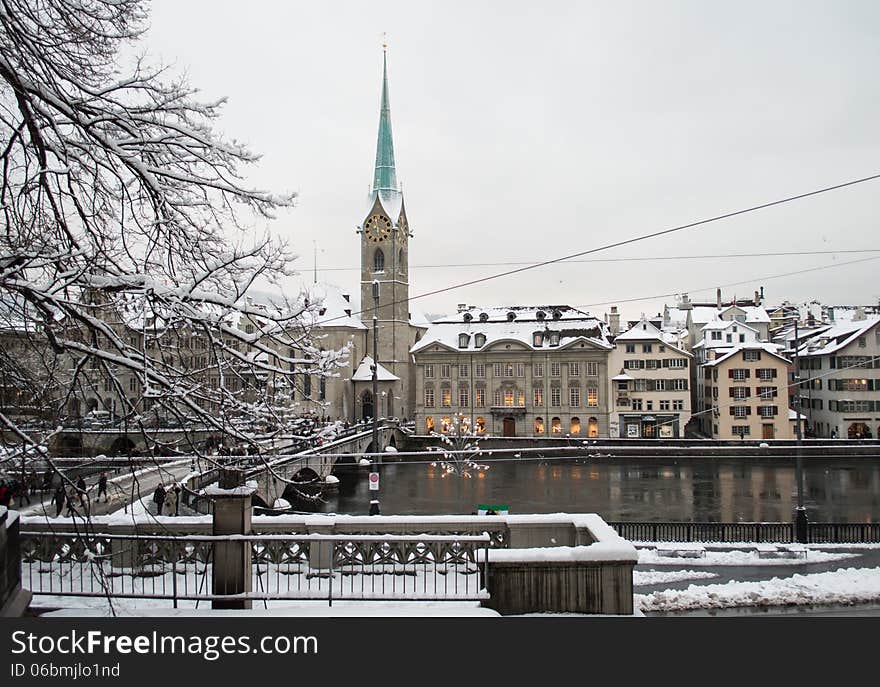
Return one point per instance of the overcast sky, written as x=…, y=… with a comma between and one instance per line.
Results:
x=528, y=131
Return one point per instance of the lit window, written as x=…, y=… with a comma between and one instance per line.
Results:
x=539, y=425
x=556, y=426
x=574, y=397
x=446, y=398
x=429, y=398
x=575, y=425
x=429, y=424
x=538, y=396
x=556, y=397
x=480, y=398
x=481, y=425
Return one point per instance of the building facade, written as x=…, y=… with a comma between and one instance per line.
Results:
x=517, y=371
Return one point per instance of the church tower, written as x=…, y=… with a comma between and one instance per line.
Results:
x=385, y=235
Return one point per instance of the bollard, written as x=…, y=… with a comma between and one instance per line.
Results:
x=231, y=566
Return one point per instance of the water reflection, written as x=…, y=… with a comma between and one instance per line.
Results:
x=708, y=490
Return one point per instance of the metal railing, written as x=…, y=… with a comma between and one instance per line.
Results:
x=282, y=567
x=778, y=532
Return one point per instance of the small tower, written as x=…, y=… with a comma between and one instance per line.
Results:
x=385, y=236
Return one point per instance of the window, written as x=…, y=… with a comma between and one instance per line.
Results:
x=660, y=384
x=640, y=385
x=767, y=411
x=429, y=397
x=739, y=392
x=538, y=396
x=574, y=397
x=646, y=348
x=664, y=405
x=751, y=356
x=444, y=371
x=739, y=411
x=676, y=362
x=322, y=388
x=622, y=386
x=379, y=261
x=740, y=430
x=539, y=425
x=496, y=369
x=508, y=369
x=767, y=391
x=739, y=375
x=537, y=369
x=496, y=397
x=520, y=369
x=520, y=398
x=556, y=397
x=463, y=371
x=480, y=370
x=429, y=371
x=446, y=398
x=307, y=385
x=634, y=364
x=678, y=405
x=554, y=338
x=716, y=336
x=132, y=384
x=479, y=340
x=575, y=425
x=445, y=424
x=652, y=364
x=479, y=398
x=463, y=396
x=508, y=398
x=661, y=349
x=592, y=397
x=592, y=369
x=555, y=369
x=862, y=342
x=463, y=340
x=429, y=424
x=630, y=348
x=766, y=373
x=742, y=338
x=538, y=339
x=649, y=405
x=637, y=404
x=556, y=426
x=574, y=369
x=481, y=425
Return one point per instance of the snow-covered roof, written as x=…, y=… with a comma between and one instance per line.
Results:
x=836, y=337
x=333, y=308
x=417, y=318
x=364, y=373
x=725, y=353
x=675, y=316
x=701, y=314
x=622, y=377
x=644, y=330
x=721, y=325
x=518, y=324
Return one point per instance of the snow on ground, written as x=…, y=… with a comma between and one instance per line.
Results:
x=739, y=558
x=844, y=586
x=644, y=577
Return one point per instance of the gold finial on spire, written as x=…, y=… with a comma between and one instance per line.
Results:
x=384, y=42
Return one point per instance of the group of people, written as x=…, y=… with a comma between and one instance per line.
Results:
x=167, y=499
x=76, y=497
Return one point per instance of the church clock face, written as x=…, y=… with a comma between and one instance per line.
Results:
x=377, y=228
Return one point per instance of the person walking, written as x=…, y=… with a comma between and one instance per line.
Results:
x=159, y=498
x=70, y=496
x=102, y=487
x=59, y=499
x=81, y=493
x=171, y=501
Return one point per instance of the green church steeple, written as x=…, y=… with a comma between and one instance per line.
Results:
x=385, y=175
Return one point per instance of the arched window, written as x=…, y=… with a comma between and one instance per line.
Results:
x=593, y=427
x=401, y=265
x=463, y=340
x=445, y=424
x=481, y=425
x=429, y=424
x=539, y=425
x=479, y=340
x=575, y=425
x=556, y=425
x=379, y=261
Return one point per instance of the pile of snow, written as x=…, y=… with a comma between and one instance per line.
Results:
x=331, y=479
x=281, y=504
x=364, y=461
x=651, y=557
x=844, y=586
x=641, y=578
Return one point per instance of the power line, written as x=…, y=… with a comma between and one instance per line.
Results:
x=651, y=258
x=618, y=244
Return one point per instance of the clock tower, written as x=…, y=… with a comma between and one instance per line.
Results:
x=385, y=234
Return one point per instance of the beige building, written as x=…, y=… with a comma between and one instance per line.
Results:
x=745, y=388
x=516, y=371
x=650, y=392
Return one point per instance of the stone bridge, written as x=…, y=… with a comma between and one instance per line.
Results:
x=311, y=467
x=118, y=442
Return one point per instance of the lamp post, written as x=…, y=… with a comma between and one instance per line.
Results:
x=374, y=503
x=800, y=517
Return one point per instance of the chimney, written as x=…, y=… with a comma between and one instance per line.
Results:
x=718, y=299
x=614, y=321
x=757, y=300
x=685, y=303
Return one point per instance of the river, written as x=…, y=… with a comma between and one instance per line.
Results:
x=627, y=489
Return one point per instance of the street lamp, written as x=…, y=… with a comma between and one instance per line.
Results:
x=800, y=517
x=374, y=481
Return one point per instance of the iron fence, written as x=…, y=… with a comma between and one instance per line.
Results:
x=193, y=569
x=771, y=532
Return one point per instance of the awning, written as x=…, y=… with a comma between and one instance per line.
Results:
x=622, y=378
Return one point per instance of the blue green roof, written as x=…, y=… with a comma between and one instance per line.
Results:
x=385, y=175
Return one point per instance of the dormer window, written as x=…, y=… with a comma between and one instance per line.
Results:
x=479, y=340
x=463, y=340
x=511, y=316
x=541, y=315
x=557, y=315
x=538, y=339
x=467, y=317
x=554, y=338
x=484, y=317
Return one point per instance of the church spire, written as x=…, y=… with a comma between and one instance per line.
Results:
x=385, y=176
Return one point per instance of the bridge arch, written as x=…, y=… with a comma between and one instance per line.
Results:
x=122, y=446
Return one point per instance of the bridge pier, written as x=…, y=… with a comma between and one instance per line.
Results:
x=232, y=559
